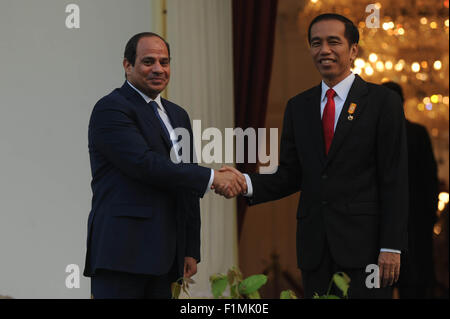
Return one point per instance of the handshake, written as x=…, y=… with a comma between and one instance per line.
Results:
x=229, y=182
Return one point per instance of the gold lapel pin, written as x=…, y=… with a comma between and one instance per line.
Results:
x=351, y=110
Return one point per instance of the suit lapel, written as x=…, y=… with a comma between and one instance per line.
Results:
x=146, y=113
x=315, y=122
x=344, y=125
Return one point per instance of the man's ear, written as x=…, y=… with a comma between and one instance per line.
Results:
x=126, y=66
x=354, y=49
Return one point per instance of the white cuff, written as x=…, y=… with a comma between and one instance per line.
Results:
x=211, y=180
x=249, y=186
x=391, y=250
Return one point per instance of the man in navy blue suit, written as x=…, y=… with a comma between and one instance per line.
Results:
x=144, y=226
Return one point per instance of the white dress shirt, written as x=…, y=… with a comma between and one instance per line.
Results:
x=341, y=89
x=165, y=118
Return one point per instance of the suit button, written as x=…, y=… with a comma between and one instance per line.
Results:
x=324, y=176
x=324, y=202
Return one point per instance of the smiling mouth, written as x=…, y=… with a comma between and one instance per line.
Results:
x=326, y=62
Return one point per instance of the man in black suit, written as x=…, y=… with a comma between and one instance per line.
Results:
x=344, y=146
x=417, y=266
x=144, y=226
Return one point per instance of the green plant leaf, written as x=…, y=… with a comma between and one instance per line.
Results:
x=316, y=296
x=342, y=281
x=254, y=295
x=185, y=288
x=176, y=290
x=329, y=297
x=188, y=280
x=231, y=276
x=252, y=284
x=234, y=292
x=234, y=275
x=288, y=294
x=219, y=285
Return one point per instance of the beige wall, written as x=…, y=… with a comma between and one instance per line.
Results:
x=51, y=77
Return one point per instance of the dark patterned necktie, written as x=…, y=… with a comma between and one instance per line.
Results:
x=154, y=106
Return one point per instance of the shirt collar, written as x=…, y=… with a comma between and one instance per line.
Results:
x=147, y=99
x=341, y=89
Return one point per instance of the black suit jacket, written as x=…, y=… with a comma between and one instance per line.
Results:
x=423, y=181
x=356, y=198
x=145, y=209
x=423, y=200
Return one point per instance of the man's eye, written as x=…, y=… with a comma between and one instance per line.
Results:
x=314, y=44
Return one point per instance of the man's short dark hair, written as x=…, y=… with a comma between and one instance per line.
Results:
x=131, y=47
x=351, y=31
x=396, y=88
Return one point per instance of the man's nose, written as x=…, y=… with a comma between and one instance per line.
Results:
x=157, y=68
x=325, y=49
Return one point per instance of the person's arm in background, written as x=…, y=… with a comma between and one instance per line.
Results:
x=392, y=168
x=429, y=176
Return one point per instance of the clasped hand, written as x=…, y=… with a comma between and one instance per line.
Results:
x=229, y=182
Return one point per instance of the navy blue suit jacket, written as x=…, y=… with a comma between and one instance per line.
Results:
x=145, y=208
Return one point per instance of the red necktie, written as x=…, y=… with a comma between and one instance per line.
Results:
x=328, y=119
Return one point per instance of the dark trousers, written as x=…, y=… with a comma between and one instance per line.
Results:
x=109, y=284
x=318, y=281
